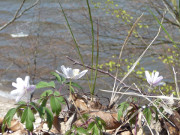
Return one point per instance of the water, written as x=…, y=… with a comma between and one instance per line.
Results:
x=49, y=41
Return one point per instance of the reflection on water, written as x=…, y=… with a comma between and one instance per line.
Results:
x=39, y=41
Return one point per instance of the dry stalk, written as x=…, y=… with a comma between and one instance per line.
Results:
x=175, y=79
x=140, y=57
x=141, y=95
x=120, y=54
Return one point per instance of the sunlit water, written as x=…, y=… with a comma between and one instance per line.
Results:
x=39, y=41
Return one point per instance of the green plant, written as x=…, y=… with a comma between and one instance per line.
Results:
x=26, y=110
x=92, y=125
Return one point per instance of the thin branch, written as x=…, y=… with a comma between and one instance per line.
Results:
x=101, y=71
x=171, y=13
x=130, y=33
x=17, y=14
x=141, y=95
x=134, y=65
x=120, y=54
x=175, y=79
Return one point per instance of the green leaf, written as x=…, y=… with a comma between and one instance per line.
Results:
x=56, y=93
x=68, y=132
x=29, y=125
x=41, y=111
x=3, y=126
x=35, y=106
x=45, y=95
x=122, y=107
x=59, y=78
x=96, y=130
x=21, y=103
x=85, y=116
x=45, y=84
x=90, y=126
x=24, y=115
x=81, y=130
x=148, y=115
x=61, y=100
x=29, y=118
x=100, y=123
x=156, y=112
x=74, y=84
x=55, y=105
x=8, y=117
x=49, y=116
x=44, y=101
x=20, y=109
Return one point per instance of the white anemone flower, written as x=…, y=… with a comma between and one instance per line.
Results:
x=22, y=87
x=70, y=73
x=154, y=79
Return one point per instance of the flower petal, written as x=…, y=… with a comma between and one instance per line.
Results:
x=80, y=74
x=148, y=77
x=26, y=81
x=155, y=76
x=31, y=88
x=14, y=92
x=14, y=84
x=19, y=97
x=157, y=81
x=70, y=73
x=19, y=81
x=61, y=74
x=64, y=70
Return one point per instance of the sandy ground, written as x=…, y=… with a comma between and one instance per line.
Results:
x=5, y=105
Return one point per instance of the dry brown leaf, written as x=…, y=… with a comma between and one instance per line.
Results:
x=16, y=125
x=79, y=101
x=18, y=132
x=110, y=119
x=175, y=118
x=172, y=130
x=1, y=120
x=126, y=133
x=56, y=123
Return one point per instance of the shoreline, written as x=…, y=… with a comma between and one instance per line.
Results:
x=5, y=105
x=7, y=101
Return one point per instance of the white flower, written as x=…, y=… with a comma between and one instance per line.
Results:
x=154, y=79
x=22, y=87
x=70, y=73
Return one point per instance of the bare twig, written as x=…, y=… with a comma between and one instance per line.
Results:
x=18, y=14
x=101, y=71
x=120, y=54
x=175, y=79
x=134, y=65
x=171, y=13
x=132, y=116
x=141, y=95
x=147, y=124
x=130, y=33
